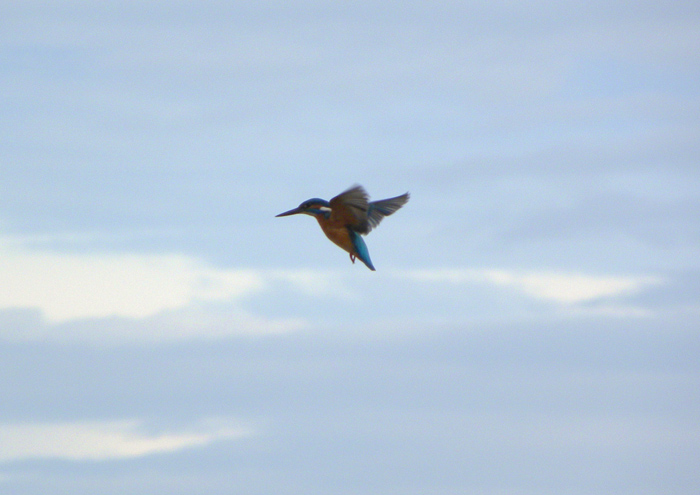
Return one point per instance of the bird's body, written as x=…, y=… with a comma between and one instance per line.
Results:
x=349, y=215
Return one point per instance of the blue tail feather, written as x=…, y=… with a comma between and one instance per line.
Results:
x=361, y=250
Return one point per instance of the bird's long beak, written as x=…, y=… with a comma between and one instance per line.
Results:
x=293, y=211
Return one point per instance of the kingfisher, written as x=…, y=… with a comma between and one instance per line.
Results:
x=348, y=216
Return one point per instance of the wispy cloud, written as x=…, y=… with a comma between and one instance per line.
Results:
x=68, y=286
x=110, y=298
x=563, y=288
x=105, y=440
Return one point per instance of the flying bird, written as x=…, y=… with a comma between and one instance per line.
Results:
x=348, y=216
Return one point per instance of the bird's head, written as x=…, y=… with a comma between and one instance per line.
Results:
x=313, y=207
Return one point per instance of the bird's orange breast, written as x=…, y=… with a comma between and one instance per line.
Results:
x=338, y=234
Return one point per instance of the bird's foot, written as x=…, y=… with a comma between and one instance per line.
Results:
x=352, y=258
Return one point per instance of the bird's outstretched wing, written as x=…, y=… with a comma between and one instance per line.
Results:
x=383, y=208
x=350, y=208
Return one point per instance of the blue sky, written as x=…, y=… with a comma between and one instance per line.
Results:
x=533, y=323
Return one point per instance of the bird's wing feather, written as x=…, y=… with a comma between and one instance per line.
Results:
x=350, y=208
x=377, y=210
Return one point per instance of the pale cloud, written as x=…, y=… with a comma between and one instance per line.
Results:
x=69, y=286
x=105, y=440
x=316, y=283
x=107, y=298
x=562, y=288
x=196, y=322
x=570, y=288
x=127, y=292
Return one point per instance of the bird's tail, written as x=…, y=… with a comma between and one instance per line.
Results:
x=361, y=251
